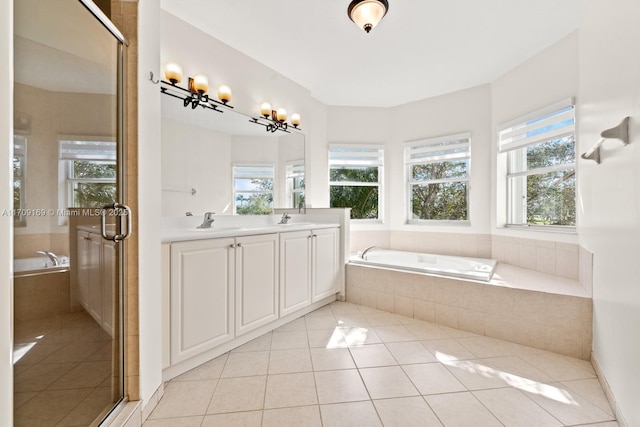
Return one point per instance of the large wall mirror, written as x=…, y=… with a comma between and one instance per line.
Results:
x=221, y=162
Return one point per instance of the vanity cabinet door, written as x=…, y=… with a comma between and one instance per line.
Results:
x=202, y=309
x=295, y=271
x=83, y=264
x=95, y=295
x=325, y=266
x=256, y=281
x=109, y=285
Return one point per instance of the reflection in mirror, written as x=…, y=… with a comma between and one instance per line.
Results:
x=222, y=162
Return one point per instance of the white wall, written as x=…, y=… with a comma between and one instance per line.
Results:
x=149, y=185
x=609, y=193
x=548, y=77
x=6, y=221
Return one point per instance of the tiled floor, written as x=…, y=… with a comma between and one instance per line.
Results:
x=349, y=365
x=62, y=376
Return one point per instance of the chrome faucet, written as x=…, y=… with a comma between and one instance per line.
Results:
x=362, y=255
x=285, y=218
x=53, y=257
x=208, y=220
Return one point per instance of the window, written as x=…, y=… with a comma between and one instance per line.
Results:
x=19, y=169
x=89, y=170
x=253, y=189
x=438, y=178
x=355, y=179
x=295, y=184
x=541, y=167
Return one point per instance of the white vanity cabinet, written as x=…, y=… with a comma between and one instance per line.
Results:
x=256, y=281
x=309, y=267
x=97, y=277
x=201, y=296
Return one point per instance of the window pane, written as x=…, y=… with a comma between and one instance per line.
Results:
x=253, y=184
x=354, y=174
x=93, y=169
x=550, y=198
x=551, y=153
x=363, y=201
x=254, y=204
x=440, y=170
x=298, y=183
x=445, y=201
x=93, y=194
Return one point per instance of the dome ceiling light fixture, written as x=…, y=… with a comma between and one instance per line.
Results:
x=367, y=13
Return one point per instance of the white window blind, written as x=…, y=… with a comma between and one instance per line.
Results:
x=253, y=172
x=87, y=149
x=356, y=155
x=553, y=122
x=454, y=147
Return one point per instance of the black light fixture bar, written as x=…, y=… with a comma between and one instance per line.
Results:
x=189, y=97
x=272, y=125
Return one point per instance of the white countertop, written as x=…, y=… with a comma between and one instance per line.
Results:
x=184, y=234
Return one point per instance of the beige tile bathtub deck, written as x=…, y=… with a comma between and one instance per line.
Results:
x=396, y=372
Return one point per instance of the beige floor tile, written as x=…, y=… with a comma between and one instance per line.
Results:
x=406, y=412
x=73, y=352
x=352, y=319
x=329, y=359
x=98, y=401
x=606, y=424
x=427, y=331
x=382, y=319
x=448, y=349
x=356, y=414
x=302, y=416
x=286, y=390
x=386, y=382
x=340, y=386
x=236, y=419
x=357, y=336
x=373, y=355
x=457, y=333
x=326, y=338
x=461, y=410
x=183, y=399
x=516, y=369
x=320, y=322
x=298, y=324
x=339, y=307
x=288, y=361
x=262, y=343
x=20, y=398
x=475, y=375
x=513, y=408
x=560, y=368
x=322, y=311
x=210, y=370
x=432, y=378
x=246, y=364
x=289, y=339
x=591, y=390
x=410, y=352
x=49, y=407
x=37, y=353
x=394, y=333
x=176, y=422
x=237, y=394
x=84, y=375
x=567, y=406
x=485, y=347
x=39, y=377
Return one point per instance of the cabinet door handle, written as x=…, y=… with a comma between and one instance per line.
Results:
x=232, y=245
x=239, y=245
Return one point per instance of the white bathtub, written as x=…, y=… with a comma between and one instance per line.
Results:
x=443, y=265
x=39, y=265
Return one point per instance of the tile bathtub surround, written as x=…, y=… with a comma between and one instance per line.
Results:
x=371, y=368
x=545, y=320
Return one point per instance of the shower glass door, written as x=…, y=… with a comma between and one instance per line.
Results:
x=68, y=329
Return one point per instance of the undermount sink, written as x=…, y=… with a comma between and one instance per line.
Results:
x=290, y=224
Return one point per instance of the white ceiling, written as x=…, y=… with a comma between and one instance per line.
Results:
x=421, y=49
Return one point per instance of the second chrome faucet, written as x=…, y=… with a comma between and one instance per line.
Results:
x=208, y=220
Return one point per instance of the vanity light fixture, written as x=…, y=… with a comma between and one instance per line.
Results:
x=274, y=120
x=367, y=13
x=196, y=92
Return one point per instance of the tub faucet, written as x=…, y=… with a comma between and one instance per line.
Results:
x=53, y=257
x=362, y=255
x=285, y=218
x=208, y=220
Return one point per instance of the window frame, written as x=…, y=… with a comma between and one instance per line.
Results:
x=94, y=149
x=256, y=166
x=431, y=144
x=20, y=154
x=355, y=155
x=295, y=169
x=515, y=137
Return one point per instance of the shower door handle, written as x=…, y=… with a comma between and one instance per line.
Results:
x=120, y=211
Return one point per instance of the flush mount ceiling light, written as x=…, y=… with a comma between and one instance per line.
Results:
x=367, y=13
